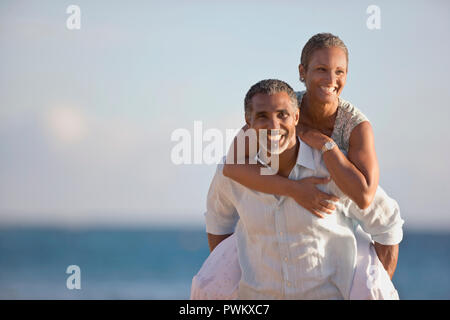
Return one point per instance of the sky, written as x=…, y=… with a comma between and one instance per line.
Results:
x=87, y=115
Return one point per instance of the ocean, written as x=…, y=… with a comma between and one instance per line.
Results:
x=160, y=263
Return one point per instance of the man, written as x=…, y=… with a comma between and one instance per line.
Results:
x=284, y=251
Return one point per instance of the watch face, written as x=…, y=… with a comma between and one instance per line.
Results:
x=328, y=146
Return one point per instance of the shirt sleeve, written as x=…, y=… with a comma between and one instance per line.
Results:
x=221, y=215
x=381, y=219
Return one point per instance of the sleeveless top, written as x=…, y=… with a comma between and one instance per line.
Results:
x=347, y=118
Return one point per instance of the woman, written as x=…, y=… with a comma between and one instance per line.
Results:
x=352, y=166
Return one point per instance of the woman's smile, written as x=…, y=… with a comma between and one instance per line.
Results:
x=328, y=90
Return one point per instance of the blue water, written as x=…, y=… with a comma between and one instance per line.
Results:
x=159, y=264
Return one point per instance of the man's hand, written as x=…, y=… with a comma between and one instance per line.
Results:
x=388, y=256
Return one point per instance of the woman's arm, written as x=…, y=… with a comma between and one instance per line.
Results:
x=357, y=176
x=304, y=191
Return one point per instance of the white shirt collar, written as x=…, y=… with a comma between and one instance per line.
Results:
x=306, y=156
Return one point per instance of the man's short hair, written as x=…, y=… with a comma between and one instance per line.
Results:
x=269, y=86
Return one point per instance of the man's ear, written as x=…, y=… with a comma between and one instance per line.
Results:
x=247, y=119
x=297, y=115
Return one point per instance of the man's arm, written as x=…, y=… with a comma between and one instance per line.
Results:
x=215, y=239
x=388, y=255
x=383, y=222
x=221, y=215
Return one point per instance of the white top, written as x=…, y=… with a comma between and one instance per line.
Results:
x=284, y=251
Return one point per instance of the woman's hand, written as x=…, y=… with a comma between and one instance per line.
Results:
x=313, y=137
x=306, y=194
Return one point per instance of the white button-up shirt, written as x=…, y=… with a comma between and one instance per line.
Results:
x=286, y=252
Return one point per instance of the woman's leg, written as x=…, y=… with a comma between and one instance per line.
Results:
x=219, y=276
x=371, y=280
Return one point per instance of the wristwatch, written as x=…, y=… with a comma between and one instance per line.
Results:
x=328, y=146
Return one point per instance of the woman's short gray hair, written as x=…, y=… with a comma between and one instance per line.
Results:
x=269, y=86
x=320, y=41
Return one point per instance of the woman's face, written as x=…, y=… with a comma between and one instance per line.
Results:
x=326, y=74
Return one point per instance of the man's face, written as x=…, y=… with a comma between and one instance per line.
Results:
x=278, y=116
